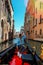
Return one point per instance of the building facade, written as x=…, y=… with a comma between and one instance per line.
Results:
x=29, y=17
x=34, y=19
x=6, y=20
x=38, y=23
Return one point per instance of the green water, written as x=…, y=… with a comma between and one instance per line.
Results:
x=37, y=46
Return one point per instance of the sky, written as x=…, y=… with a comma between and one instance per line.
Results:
x=19, y=7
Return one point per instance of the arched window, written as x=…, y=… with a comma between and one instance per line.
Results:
x=2, y=23
x=40, y=31
x=40, y=18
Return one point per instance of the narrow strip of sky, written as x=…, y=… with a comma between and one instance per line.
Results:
x=19, y=12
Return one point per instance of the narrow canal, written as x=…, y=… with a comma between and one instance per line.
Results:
x=34, y=44
x=10, y=53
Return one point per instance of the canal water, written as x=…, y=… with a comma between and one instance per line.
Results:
x=37, y=46
x=7, y=44
x=34, y=44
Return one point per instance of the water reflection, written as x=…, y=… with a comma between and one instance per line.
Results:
x=15, y=41
x=36, y=46
x=5, y=45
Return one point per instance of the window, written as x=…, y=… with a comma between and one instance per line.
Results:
x=36, y=21
x=40, y=18
x=35, y=32
x=31, y=31
x=2, y=24
x=40, y=5
x=5, y=36
x=33, y=21
x=40, y=31
x=2, y=35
